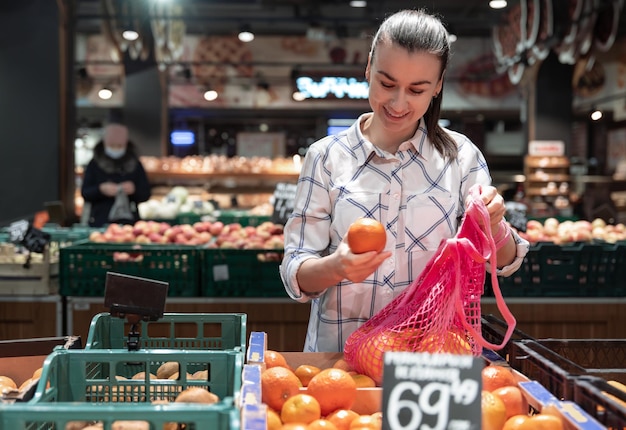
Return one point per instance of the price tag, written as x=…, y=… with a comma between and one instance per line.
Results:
x=431, y=391
x=17, y=230
x=35, y=240
x=284, y=197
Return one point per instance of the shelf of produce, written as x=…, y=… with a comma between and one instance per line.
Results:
x=183, y=178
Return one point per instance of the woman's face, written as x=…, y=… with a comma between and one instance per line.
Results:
x=402, y=85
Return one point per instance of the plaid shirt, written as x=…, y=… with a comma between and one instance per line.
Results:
x=418, y=196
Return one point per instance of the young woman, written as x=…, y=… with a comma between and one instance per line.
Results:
x=394, y=164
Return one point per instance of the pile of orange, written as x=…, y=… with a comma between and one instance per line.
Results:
x=324, y=405
x=504, y=406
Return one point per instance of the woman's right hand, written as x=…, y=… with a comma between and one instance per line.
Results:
x=357, y=267
x=109, y=189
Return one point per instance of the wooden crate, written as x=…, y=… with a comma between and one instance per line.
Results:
x=40, y=277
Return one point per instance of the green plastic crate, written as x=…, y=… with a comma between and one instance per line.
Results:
x=93, y=385
x=241, y=273
x=569, y=270
x=212, y=331
x=242, y=217
x=84, y=267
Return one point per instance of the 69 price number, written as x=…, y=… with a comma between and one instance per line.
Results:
x=412, y=406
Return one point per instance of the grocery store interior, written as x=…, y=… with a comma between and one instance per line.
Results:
x=222, y=99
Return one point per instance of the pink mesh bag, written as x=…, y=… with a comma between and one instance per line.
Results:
x=440, y=311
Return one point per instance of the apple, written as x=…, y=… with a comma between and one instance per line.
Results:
x=216, y=228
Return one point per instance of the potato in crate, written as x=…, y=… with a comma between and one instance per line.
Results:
x=242, y=273
x=84, y=267
x=153, y=386
x=208, y=331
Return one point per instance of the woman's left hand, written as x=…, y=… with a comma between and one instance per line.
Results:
x=495, y=204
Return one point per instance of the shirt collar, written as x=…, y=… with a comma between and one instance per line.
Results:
x=363, y=148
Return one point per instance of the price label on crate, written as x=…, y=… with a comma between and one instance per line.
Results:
x=17, y=230
x=434, y=391
x=35, y=240
x=284, y=197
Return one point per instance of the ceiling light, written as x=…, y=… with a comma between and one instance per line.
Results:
x=452, y=37
x=497, y=4
x=210, y=95
x=358, y=3
x=298, y=96
x=246, y=35
x=130, y=35
x=105, y=93
x=596, y=114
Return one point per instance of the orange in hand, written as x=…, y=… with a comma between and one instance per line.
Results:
x=366, y=234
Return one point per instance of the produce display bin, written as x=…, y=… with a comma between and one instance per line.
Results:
x=568, y=270
x=557, y=363
x=95, y=385
x=603, y=401
x=493, y=331
x=215, y=331
x=242, y=273
x=84, y=266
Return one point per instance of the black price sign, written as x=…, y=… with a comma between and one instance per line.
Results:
x=431, y=391
x=284, y=197
x=35, y=240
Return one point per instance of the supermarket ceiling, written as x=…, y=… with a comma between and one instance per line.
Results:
x=285, y=17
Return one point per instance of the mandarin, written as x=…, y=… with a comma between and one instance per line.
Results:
x=495, y=376
x=342, y=364
x=321, y=424
x=300, y=408
x=542, y=422
x=515, y=422
x=293, y=426
x=277, y=385
x=366, y=234
x=514, y=400
x=305, y=372
x=366, y=422
x=7, y=381
x=273, y=421
x=342, y=418
x=274, y=359
x=363, y=381
x=493, y=411
x=334, y=389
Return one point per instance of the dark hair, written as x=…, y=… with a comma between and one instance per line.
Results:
x=416, y=30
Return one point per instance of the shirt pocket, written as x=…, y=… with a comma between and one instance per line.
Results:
x=356, y=205
x=430, y=218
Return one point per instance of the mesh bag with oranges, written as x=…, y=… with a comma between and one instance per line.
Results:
x=440, y=310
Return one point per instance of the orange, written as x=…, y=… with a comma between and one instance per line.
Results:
x=495, y=376
x=277, y=385
x=363, y=381
x=370, y=355
x=300, y=408
x=514, y=401
x=321, y=424
x=334, y=389
x=451, y=342
x=515, y=422
x=273, y=420
x=342, y=418
x=366, y=234
x=542, y=422
x=493, y=411
x=293, y=426
x=365, y=422
x=343, y=365
x=305, y=372
x=274, y=358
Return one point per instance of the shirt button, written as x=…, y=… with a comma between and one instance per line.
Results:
x=391, y=261
x=396, y=196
